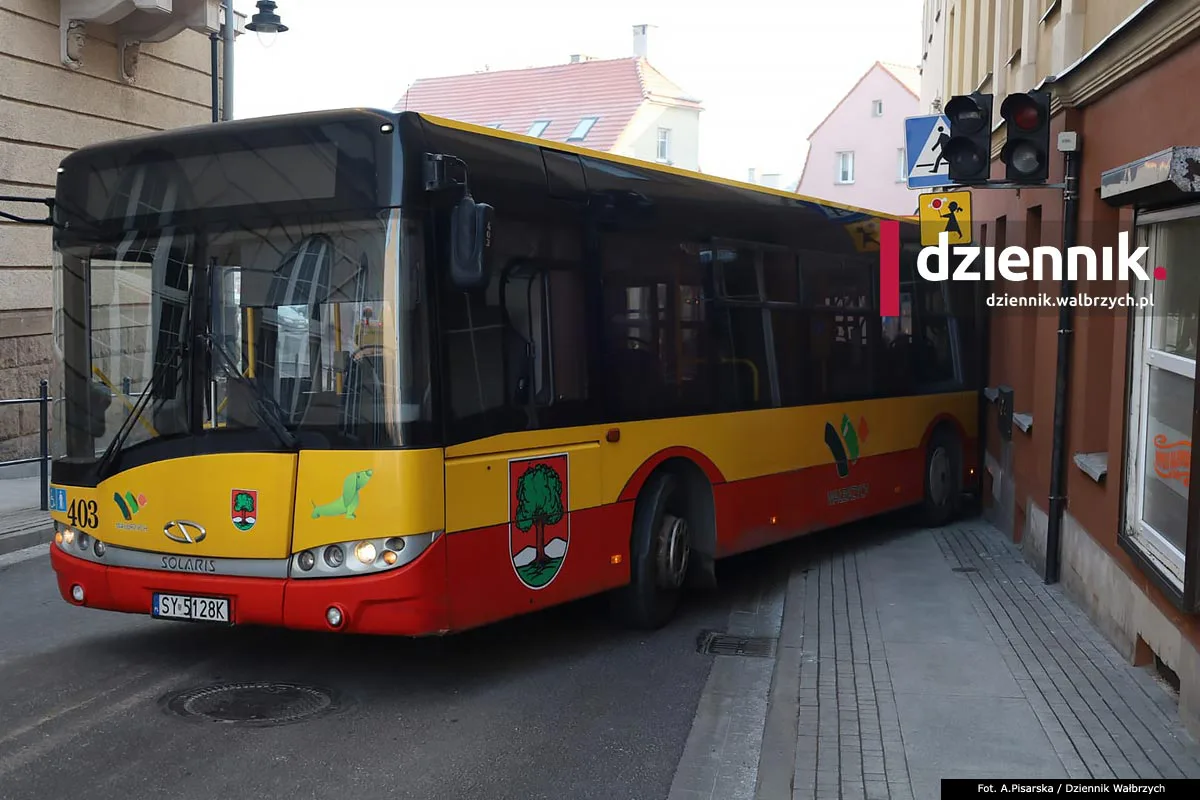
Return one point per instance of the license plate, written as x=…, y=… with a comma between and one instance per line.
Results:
x=202, y=609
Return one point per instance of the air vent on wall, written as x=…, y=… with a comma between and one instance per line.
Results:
x=133, y=22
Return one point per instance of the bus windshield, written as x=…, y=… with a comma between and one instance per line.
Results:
x=295, y=329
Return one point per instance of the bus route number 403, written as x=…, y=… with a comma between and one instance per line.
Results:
x=83, y=514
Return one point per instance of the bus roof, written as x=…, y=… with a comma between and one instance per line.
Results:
x=331, y=115
x=650, y=165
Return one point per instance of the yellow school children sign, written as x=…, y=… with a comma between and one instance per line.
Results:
x=948, y=212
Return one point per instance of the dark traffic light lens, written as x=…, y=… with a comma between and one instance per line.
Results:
x=1026, y=159
x=966, y=162
x=965, y=115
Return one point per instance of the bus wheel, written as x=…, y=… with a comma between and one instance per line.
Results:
x=660, y=551
x=943, y=478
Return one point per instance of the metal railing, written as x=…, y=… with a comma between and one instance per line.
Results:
x=43, y=457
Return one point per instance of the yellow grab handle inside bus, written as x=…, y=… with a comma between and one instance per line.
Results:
x=99, y=373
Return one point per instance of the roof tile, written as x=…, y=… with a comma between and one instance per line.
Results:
x=611, y=90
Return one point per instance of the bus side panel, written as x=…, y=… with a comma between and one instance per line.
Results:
x=761, y=511
x=528, y=529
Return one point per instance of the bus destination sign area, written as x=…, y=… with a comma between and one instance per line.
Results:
x=952, y=789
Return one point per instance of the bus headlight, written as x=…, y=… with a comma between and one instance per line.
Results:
x=370, y=556
x=365, y=552
x=78, y=543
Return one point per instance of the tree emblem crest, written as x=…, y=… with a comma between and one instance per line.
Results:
x=540, y=527
x=243, y=508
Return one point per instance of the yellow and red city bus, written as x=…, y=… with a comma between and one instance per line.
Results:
x=393, y=374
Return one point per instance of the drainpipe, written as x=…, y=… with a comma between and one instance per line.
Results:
x=1058, y=460
x=214, y=38
x=230, y=25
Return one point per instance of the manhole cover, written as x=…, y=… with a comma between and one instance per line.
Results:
x=966, y=569
x=258, y=704
x=723, y=644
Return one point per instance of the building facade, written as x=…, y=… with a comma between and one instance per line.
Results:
x=1130, y=533
x=856, y=155
x=77, y=72
x=623, y=106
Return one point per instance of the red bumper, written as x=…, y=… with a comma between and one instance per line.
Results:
x=409, y=601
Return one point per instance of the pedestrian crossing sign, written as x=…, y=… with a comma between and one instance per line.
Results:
x=924, y=138
x=945, y=212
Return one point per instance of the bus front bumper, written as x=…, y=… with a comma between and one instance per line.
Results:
x=407, y=601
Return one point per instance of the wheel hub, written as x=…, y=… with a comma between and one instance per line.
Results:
x=674, y=549
x=939, y=476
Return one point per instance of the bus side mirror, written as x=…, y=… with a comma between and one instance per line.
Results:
x=470, y=245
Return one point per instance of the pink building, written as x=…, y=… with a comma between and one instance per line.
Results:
x=856, y=155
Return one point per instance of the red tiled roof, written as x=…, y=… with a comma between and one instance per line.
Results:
x=610, y=90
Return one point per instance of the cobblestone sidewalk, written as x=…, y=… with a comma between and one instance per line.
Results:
x=909, y=657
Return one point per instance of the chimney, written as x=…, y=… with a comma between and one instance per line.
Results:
x=641, y=36
x=751, y=178
x=579, y=58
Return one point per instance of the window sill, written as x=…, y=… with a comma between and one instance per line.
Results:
x=1014, y=58
x=1023, y=421
x=992, y=394
x=1051, y=11
x=1094, y=465
x=843, y=183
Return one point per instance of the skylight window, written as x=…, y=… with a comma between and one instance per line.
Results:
x=496, y=125
x=581, y=130
x=538, y=127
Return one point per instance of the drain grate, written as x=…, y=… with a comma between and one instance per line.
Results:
x=724, y=644
x=251, y=704
x=965, y=569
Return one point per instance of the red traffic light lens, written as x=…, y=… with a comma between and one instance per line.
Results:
x=1022, y=111
x=1026, y=118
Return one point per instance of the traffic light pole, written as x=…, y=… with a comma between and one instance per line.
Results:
x=1058, y=460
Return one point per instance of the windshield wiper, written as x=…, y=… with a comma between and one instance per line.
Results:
x=135, y=413
x=264, y=406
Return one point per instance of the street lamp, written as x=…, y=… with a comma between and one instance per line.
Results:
x=265, y=23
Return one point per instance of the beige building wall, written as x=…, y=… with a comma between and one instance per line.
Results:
x=1006, y=46
x=47, y=110
x=640, y=138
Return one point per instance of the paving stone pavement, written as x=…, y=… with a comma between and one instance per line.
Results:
x=908, y=656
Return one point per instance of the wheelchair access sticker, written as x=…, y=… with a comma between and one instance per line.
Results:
x=58, y=499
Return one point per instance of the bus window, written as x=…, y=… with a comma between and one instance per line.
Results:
x=475, y=350
x=658, y=358
x=842, y=318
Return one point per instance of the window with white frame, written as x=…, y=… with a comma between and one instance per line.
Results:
x=901, y=165
x=663, y=153
x=845, y=167
x=876, y=108
x=1162, y=397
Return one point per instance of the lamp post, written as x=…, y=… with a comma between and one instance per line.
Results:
x=266, y=23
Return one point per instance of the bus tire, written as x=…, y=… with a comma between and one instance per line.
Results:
x=660, y=550
x=943, y=478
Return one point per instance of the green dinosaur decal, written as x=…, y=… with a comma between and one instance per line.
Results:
x=345, y=505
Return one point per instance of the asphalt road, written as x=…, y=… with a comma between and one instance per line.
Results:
x=561, y=704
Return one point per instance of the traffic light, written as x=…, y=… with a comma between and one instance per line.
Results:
x=1026, y=153
x=969, y=150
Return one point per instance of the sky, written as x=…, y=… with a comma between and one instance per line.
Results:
x=766, y=71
